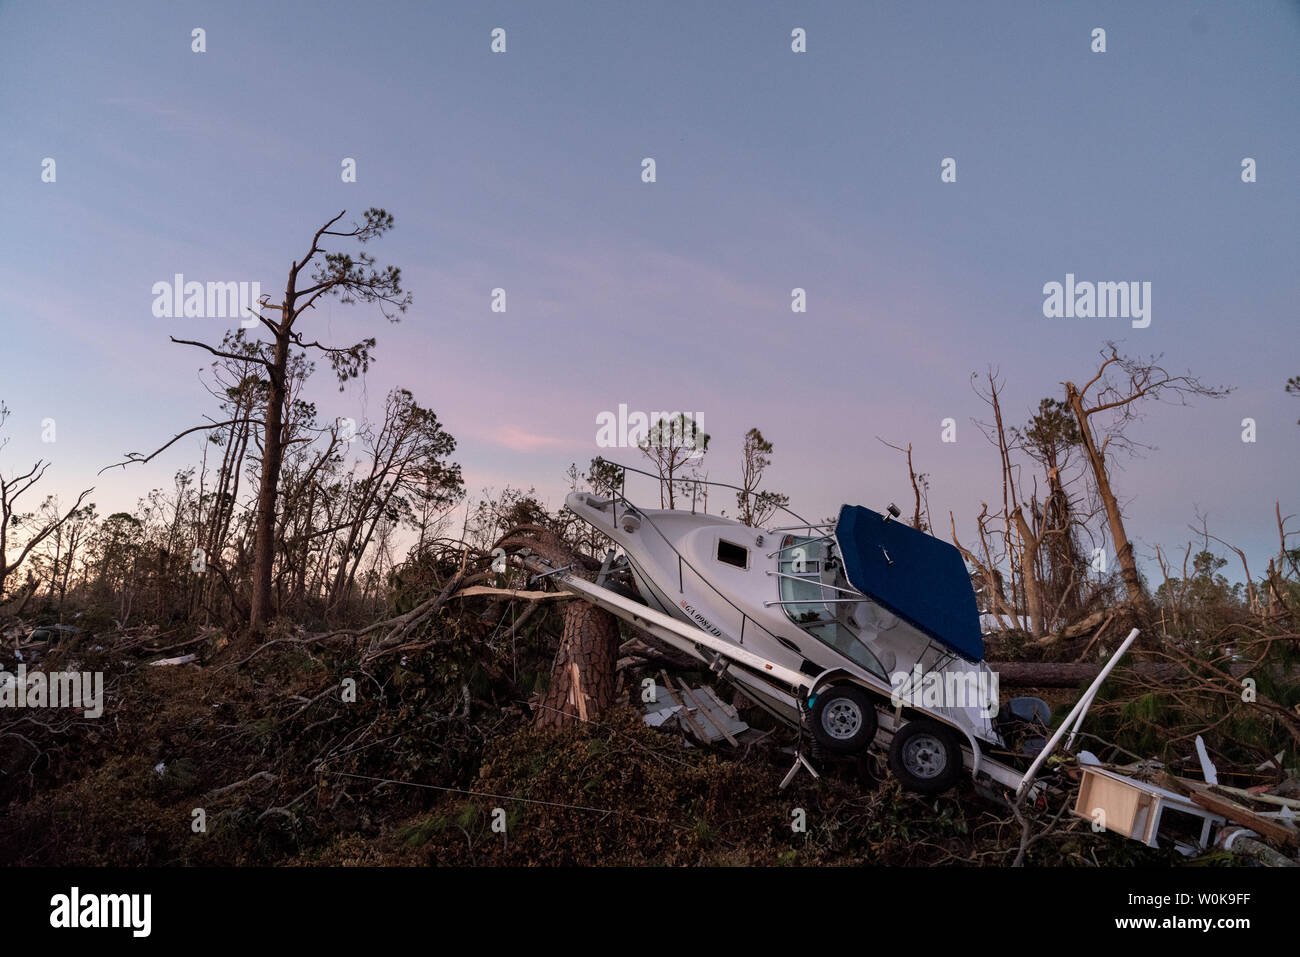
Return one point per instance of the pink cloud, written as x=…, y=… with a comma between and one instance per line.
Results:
x=521, y=440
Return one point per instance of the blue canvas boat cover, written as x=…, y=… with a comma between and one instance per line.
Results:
x=914, y=575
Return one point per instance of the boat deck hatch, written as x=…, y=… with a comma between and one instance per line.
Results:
x=729, y=553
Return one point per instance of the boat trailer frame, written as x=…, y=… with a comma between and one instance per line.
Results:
x=783, y=682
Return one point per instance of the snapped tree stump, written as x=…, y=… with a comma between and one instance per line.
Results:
x=582, y=678
x=584, y=674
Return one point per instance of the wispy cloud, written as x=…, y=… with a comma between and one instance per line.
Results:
x=522, y=440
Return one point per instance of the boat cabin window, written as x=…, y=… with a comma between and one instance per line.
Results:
x=730, y=553
x=807, y=566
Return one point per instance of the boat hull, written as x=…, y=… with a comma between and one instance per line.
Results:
x=676, y=560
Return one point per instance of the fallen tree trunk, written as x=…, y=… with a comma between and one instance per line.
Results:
x=1086, y=626
x=1062, y=674
x=478, y=591
x=1238, y=840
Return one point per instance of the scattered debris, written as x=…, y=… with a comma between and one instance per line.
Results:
x=1135, y=809
x=699, y=711
x=166, y=662
x=1208, y=769
x=1242, y=842
x=1263, y=824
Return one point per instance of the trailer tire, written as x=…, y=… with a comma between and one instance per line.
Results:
x=926, y=756
x=844, y=719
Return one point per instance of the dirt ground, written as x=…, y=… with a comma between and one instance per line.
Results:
x=433, y=760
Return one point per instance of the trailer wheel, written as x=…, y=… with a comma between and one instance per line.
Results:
x=844, y=719
x=925, y=756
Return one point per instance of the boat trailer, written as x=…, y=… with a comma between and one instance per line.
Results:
x=796, y=689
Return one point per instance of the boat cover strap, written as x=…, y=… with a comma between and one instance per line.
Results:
x=916, y=576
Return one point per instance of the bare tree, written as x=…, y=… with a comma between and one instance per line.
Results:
x=407, y=458
x=996, y=433
x=986, y=578
x=1049, y=438
x=54, y=560
x=1031, y=541
x=335, y=274
x=920, y=488
x=38, y=528
x=1133, y=380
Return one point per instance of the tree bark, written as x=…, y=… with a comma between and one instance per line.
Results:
x=1123, y=548
x=261, y=611
x=582, y=678
x=997, y=602
x=1060, y=674
x=1253, y=850
x=1029, y=545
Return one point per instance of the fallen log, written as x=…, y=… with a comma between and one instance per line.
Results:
x=1238, y=840
x=259, y=776
x=474, y=591
x=1064, y=674
x=1087, y=625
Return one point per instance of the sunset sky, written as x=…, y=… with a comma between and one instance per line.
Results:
x=775, y=170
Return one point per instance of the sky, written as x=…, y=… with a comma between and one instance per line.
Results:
x=774, y=170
